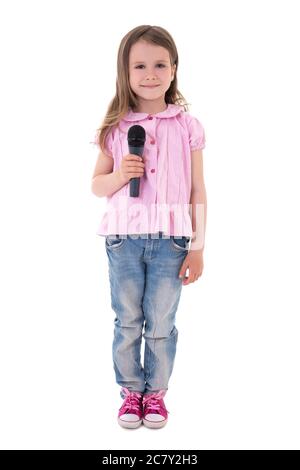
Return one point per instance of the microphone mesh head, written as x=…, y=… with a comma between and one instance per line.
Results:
x=136, y=135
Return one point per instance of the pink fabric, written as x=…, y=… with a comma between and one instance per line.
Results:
x=165, y=187
x=132, y=403
x=154, y=404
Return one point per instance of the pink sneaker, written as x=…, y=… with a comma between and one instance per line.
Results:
x=131, y=412
x=155, y=413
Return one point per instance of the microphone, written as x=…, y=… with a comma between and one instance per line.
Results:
x=136, y=137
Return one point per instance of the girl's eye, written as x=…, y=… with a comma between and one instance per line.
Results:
x=138, y=66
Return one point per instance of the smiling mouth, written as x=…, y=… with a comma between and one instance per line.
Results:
x=149, y=86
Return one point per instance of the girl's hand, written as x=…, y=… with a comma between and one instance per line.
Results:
x=132, y=166
x=193, y=261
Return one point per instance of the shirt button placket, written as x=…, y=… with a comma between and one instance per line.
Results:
x=153, y=155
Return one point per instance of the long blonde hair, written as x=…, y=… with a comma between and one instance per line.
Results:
x=124, y=97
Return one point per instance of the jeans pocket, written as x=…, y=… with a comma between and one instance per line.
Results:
x=180, y=244
x=112, y=242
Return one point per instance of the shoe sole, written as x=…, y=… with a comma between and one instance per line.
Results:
x=154, y=424
x=129, y=424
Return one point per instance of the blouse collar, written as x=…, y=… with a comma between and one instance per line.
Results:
x=172, y=110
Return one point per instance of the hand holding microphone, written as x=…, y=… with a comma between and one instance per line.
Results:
x=132, y=166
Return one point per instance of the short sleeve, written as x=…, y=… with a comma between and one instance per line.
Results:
x=196, y=134
x=108, y=142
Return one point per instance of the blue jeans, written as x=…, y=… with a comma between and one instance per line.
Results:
x=145, y=292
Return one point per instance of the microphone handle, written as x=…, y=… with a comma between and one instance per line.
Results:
x=135, y=182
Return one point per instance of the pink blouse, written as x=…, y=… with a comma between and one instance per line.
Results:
x=163, y=203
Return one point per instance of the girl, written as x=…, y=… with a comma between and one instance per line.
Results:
x=147, y=237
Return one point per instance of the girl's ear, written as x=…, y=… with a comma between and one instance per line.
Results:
x=174, y=68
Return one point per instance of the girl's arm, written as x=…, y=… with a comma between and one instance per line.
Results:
x=105, y=181
x=198, y=202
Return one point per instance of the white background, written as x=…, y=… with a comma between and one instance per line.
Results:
x=235, y=383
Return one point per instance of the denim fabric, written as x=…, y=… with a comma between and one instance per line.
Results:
x=145, y=292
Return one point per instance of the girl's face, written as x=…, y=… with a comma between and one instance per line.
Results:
x=149, y=65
